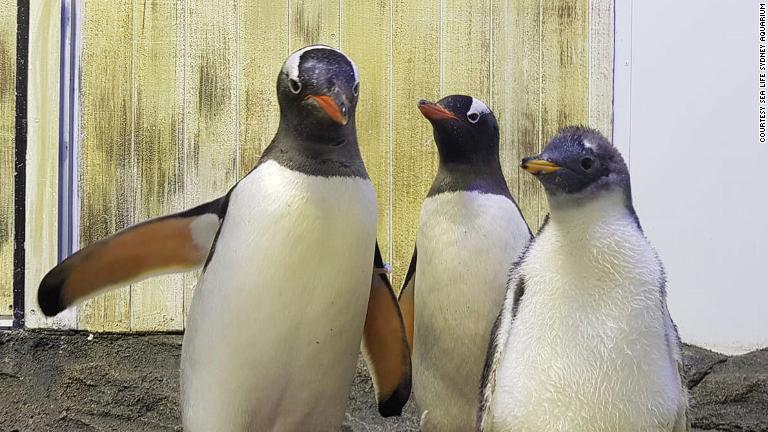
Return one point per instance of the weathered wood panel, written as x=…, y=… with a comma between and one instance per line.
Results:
x=210, y=99
x=466, y=48
x=262, y=43
x=517, y=95
x=43, y=159
x=107, y=173
x=158, y=147
x=7, y=135
x=366, y=38
x=415, y=75
x=210, y=103
x=313, y=22
x=564, y=68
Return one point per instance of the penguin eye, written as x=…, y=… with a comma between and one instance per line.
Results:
x=587, y=163
x=473, y=117
x=294, y=85
x=356, y=89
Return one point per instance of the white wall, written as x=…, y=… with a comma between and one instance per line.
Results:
x=686, y=113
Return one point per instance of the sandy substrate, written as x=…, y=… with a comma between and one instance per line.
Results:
x=54, y=381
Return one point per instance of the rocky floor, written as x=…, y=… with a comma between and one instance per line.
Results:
x=53, y=381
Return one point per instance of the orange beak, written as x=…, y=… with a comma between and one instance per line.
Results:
x=330, y=107
x=433, y=111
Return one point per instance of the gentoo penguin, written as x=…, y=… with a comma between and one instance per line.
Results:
x=470, y=232
x=277, y=318
x=584, y=341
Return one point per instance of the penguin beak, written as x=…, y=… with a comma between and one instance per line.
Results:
x=538, y=166
x=433, y=111
x=337, y=111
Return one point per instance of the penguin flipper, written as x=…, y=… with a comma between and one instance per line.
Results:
x=498, y=341
x=406, y=299
x=682, y=421
x=385, y=344
x=168, y=244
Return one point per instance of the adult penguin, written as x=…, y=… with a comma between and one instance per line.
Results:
x=275, y=325
x=584, y=341
x=470, y=232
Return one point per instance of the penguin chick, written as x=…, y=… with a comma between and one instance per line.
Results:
x=584, y=341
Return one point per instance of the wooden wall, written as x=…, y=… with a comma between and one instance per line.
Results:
x=7, y=136
x=178, y=102
x=41, y=240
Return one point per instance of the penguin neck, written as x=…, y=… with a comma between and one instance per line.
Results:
x=576, y=215
x=484, y=176
x=333, y=153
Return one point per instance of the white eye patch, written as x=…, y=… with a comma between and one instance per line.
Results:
x=291, y=65
x=477, y=109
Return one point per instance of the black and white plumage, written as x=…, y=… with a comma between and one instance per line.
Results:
x=470, y=232
x=584, y=341
x=288, y=290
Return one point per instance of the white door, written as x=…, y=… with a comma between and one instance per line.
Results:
x=687, y=116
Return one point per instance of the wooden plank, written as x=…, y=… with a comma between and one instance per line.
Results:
x=107, y=178
x=262, y=48
x=7, y=136
x=564, y=68
x=313, y=22
x=466, y=48
x=415, y=75
x=210, y=104
x=515, y=96
x=601, y=66
x=366, y=39
x=43, y=159
x=158, y=148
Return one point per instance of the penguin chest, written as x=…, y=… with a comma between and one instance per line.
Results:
x=587, y=350
x=466, y=243
x=276, y=320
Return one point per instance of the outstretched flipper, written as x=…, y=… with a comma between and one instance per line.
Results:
x=406, y=299
x=385, y=344
x=168, y=244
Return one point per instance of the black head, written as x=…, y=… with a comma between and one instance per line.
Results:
x=578, y=164
x=317, y=90
x=465, y=129
x=467, y=138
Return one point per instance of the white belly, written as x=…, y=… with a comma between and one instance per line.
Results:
x=587, y=350
x=466, y=243
x=276, y=321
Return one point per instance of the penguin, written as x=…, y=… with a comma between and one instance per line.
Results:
x=584, y=340
x=287, y=289
x=470, y=231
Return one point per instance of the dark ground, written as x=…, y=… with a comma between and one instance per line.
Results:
x=53, y=381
